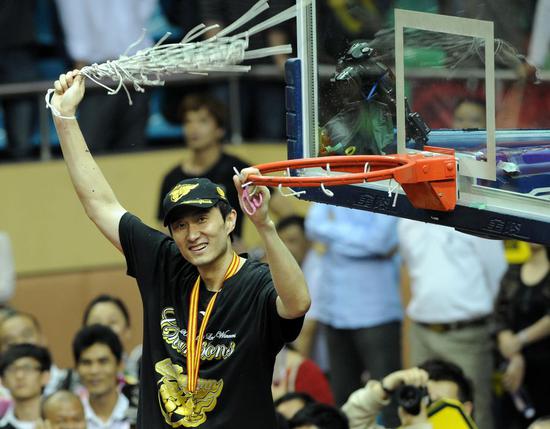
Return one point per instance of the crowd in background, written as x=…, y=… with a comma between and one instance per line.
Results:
x=42, y=38
x=480, y=328
x=476, y=323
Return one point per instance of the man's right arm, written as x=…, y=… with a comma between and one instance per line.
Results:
x=93, y=190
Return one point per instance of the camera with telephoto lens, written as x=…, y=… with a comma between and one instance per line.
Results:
x=359, y=66
x=410, y=398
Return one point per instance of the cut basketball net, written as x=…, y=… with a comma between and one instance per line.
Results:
x=220, y=53
x=428, y=179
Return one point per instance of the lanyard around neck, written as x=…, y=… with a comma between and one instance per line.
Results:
x=194, y=347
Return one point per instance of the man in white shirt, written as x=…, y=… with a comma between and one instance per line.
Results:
x=97, y=31
x=24, y=369
x=454, y=281
x=98, y=352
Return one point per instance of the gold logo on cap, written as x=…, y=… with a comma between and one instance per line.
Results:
x=221, y=192
x=181, y=190
x=198, y=201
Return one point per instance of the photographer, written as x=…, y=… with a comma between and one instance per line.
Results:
x=442, y=380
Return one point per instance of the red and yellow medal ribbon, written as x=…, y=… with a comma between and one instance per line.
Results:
x=194, y=341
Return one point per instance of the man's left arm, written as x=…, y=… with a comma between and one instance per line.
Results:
x=293, y=299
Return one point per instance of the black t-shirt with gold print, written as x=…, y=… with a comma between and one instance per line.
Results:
x=243, y=336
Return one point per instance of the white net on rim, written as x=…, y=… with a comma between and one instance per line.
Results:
x=220, y=53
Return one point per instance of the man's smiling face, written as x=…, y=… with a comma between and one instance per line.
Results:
x=202, y=235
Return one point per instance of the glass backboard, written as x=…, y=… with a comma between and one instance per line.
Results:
x=418, y=79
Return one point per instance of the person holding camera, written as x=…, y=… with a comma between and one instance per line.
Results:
x=414, y=389
x=364, y=405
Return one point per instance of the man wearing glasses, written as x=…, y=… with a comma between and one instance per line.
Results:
x=24, y=369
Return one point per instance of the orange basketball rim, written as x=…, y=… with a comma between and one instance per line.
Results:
x=428, y=179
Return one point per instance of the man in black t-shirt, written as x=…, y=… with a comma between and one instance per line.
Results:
x=213, y=321
x=204, y=121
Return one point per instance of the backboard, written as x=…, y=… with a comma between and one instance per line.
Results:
x=425, y=79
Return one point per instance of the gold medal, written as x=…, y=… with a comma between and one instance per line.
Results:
x=194, y=347
x=189, y=406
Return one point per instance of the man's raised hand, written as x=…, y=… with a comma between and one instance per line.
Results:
x=259, y=215
x=69, y=90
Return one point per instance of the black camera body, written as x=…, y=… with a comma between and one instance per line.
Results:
x=410, y=398
x=359, y=67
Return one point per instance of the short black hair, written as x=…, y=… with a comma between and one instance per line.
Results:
x=321, y=415
x=18, y=351
x=107, y=298
x=287, y=221
x=225, y=208
x=442, y=370
x=215, y=108
x=290, y=396
x=282, y=422
x=96, y=334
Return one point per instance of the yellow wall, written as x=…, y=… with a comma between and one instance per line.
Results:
x=48, y=227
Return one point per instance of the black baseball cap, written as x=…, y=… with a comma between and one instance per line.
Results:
x=197, y=192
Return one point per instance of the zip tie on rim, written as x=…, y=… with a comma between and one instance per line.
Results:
x=326, y=191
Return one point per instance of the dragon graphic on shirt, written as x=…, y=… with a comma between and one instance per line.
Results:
x=180, y=407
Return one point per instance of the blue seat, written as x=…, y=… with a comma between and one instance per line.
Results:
x=158, y=128
x=3, y=137
x=158, y=26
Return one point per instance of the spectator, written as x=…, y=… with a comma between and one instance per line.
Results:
x=469, y=113
x=7, y=269
x=442, y=379
x=454, y=280
x=290, y=403
x=23, y=328
x=204, y=121
x=319, y=416
x=262, y=116
x=111, y=311
x=97, y=31
x=24, y=369
x=63, y=410
x=18, y=64
x=523, y=335
x=294, y=373
x=448, y=381
x=311, y=343
x=359, y=297
x=98, y=353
